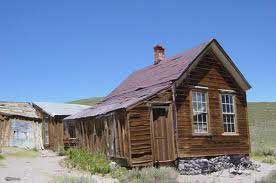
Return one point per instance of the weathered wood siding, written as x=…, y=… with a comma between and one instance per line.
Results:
x=140, y=130
x=20, y=132
x=107, y=134
x=5, y=131
x=211, y=73
x=55, y=132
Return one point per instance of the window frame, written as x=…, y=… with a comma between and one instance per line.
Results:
x=225, y=92
x=202, y=90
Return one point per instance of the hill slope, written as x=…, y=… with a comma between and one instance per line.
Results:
x=262, y=124
x=88, y=101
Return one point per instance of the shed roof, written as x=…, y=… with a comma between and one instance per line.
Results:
x=154, y=78
x=60, y=109
x=22, y=109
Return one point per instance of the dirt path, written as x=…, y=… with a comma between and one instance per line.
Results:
x=40, y=169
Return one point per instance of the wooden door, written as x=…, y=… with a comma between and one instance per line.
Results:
x=163, y=136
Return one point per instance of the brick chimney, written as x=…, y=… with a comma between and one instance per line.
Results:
x=159, y=54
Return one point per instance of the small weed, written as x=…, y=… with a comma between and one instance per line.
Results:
x=70, y=179
x=61, y=151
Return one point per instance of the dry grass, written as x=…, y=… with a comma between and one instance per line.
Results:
x=70, y=179
x=21, y=153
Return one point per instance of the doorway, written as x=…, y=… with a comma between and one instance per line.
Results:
x=162, y=134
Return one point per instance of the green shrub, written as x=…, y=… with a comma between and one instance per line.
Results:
x=61, y=151
x=92, y=162
x=151, y=174
x=269, y=160
x=1, y=157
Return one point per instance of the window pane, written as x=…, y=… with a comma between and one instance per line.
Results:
x=198, y=96
x=223, y=108
x=231, y=99
x=204, y=118
x=195, y=118
x=200, y=118
x=194, y=106
x=227, y=108
x=203, y=97
x=223, y=98
x=194, y=96
x=231, y=109
x=204, y=109
x=199, y=109
x=226, y=98
x=225, y=127
x=232, y=128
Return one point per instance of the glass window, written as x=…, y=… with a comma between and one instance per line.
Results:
x=227, y=101
x=200, y=113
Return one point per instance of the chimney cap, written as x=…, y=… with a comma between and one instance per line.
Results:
x=159, y=53
x=158, y=47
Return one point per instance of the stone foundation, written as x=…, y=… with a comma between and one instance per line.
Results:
x=203, y=165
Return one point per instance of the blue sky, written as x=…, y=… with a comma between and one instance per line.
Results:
x=65, y=50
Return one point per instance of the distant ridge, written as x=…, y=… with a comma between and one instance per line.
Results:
x=89, y=101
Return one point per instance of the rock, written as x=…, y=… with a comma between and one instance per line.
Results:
x=235, y=172
x=12, y=179
x=113, y=165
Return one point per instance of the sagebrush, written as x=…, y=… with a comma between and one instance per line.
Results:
x=88, y=161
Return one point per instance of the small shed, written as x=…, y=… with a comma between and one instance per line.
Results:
x=52, y=114
x=20, y=125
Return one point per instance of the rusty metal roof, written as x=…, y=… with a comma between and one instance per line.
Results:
x=60, y=109
x=22, y=109
x=144, y=83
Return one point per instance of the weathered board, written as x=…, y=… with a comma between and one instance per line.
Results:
x=20, y=133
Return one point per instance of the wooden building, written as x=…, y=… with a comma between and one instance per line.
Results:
x=20, y=126
x=190, y=105
x=52, y=115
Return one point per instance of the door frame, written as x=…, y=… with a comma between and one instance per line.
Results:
x=169, y=106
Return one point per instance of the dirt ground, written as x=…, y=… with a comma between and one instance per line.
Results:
x=40, y=169
x=46, y=165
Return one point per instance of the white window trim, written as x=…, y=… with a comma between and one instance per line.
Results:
x=229, y=92
x=207, y=113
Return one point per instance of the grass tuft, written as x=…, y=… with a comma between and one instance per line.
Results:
x=70, y=179
x=150, y=174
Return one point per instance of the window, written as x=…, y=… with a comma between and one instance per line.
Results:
x=200, y=113
x=71, y=130
x=228, y=112
x=159, y=112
